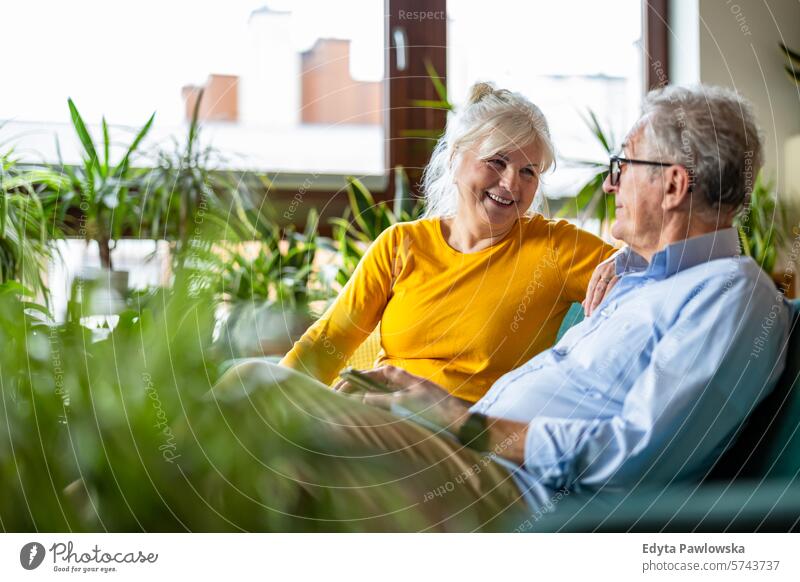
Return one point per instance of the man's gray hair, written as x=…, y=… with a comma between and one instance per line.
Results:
x=711, y=131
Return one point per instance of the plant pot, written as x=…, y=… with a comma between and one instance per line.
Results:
x=100, y=291
x=266, y=329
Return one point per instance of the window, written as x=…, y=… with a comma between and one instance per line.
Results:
x=565, y=57
x=294, y=88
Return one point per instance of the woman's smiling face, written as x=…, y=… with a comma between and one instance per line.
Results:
x=495, y=191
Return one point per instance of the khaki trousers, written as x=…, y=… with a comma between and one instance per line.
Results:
x=368, y=469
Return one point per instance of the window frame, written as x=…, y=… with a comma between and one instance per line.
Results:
x=655, y=32
x=426, y=40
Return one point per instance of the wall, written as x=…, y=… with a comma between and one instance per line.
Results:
x=735, y=43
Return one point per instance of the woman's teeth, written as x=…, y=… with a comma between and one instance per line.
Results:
x=499, y=200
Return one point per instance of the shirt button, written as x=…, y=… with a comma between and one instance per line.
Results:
x=606, y=311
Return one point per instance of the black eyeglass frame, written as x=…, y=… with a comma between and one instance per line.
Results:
x=618, y=161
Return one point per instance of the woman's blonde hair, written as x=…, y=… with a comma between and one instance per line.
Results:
x=496, y=120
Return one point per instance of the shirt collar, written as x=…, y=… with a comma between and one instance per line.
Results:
x=681, y=255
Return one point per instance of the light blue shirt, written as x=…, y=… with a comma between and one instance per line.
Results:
x=654, y=385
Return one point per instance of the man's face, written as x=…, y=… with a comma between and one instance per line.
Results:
x=638, y=197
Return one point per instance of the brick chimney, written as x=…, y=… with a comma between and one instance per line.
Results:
x=329, y=93
x=220, y=100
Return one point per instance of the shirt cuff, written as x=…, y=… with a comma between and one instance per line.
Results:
x=544, y=458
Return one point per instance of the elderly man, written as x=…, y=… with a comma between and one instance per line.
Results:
x=650, y=388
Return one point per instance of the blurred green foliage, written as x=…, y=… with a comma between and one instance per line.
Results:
x=792, y=66
x=26, y=223
x=590, y=201
x=367, y=218
x=763, y=225
x=124, y=433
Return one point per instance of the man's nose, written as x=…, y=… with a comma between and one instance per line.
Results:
x=607, y=187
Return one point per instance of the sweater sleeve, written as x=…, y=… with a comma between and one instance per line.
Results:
x=577, y=253
x=323, y=350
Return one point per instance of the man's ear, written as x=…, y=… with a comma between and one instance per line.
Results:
x=677, y=187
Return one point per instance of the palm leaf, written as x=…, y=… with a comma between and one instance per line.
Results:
x=122, y=169
x=594, y=125
x=794, y=56
x=83, y=134
x=106, y=147
x=794, y=75
x=3, y=208
x=431, y=104
x=361, y=201
x=584, y=197
x=438, y=85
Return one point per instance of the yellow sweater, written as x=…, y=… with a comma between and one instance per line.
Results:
x=461, y=320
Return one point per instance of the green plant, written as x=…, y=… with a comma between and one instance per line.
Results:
x=278, y=265
x=442, y=103
x=265, y=277
x=101, y=190
x=24, y=220
x=422, y=140
x=188, y=179
x=792, y=67
x=366, y=219
x=591, y=201
x=125, y=434
x=764, y=224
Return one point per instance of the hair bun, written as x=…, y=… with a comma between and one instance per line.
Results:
x=479, y=91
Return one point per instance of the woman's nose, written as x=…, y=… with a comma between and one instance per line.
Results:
x=509, y=180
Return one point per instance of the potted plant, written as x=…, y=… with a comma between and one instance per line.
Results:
x=106, y=197
x=187, y=179
x=365, y=219
x=27, y=222
x=267, y=281
x=124, y=434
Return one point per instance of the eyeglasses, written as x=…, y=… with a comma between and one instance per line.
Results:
x=615, y=166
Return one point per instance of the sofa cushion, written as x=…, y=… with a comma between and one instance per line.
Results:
x=769, y=444
x=573, y=317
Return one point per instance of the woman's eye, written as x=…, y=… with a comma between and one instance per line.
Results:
x=529, y=172
x=497, y=163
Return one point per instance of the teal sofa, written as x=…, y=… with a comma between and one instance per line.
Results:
x=754, y=487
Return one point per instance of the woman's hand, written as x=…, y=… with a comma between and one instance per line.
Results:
x=603, y=280
x=414, y=393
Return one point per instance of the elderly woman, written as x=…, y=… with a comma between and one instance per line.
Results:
x=481, y=283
